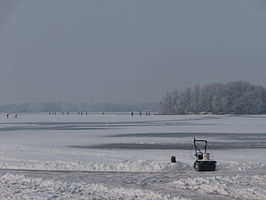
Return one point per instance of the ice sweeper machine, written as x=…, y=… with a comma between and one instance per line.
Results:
x=203, y=162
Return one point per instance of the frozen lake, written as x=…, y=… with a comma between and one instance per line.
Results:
x=116, y=156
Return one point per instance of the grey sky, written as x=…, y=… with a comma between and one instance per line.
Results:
x=126, y=51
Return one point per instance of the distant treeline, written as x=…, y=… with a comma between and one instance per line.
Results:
x=78, y=107
x=233, y=97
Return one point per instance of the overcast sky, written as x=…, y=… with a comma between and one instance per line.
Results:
x=126, y=51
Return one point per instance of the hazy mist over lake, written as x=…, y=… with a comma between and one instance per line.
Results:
x=126, y=51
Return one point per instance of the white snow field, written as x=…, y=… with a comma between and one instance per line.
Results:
x=116, y=156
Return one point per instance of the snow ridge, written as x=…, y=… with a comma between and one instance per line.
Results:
x=23, y=187
x=239, y=187
x=125, y=166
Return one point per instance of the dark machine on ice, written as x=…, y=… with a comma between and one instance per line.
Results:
x=203, y=162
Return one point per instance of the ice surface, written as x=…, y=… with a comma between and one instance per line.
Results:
x=133, y=153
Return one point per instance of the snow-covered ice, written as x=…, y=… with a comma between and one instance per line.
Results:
x=116, y=156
